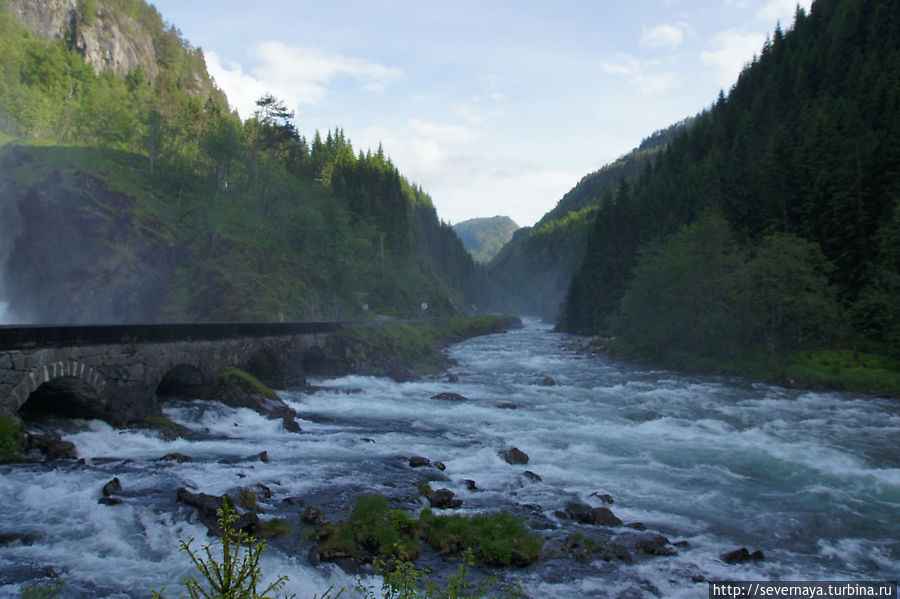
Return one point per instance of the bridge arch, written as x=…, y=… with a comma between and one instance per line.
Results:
x=65, y=372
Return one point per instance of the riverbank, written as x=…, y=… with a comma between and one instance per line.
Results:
x=402, y=350
x=814, y=369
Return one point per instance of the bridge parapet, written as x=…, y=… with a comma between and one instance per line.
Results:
x=130, y=361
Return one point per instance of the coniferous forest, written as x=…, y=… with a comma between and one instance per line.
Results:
x=188, y=213
x=772, y=223
x=763, y=227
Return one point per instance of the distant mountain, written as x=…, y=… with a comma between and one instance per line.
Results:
x=484, y=237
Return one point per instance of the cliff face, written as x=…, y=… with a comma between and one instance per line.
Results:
x=75, y=251
x=109, y=40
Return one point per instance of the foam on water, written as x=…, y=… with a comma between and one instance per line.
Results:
x=806, y=477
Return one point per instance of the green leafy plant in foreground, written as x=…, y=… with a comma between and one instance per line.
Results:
x=237, y=574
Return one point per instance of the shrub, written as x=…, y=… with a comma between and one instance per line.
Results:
x=10, y=433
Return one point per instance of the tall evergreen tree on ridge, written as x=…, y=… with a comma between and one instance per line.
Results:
x=807, y=143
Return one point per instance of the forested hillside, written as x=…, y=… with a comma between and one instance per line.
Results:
x=141, y=197
x=531, y=273
x=772, y=224
x=484, y=237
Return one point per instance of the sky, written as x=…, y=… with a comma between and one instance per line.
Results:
x=494, y=107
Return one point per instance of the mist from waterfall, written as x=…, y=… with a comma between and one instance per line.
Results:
x=10, y=227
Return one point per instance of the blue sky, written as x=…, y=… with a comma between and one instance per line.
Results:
x=493, y=107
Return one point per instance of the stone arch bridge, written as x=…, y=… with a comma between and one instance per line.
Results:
x=114, y=372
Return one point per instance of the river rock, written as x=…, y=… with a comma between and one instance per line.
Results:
x=548, y=381
x=470, y=484
x=442, y=499
x=741, y=556
x=262, y=456
x=50, y=446
x=532, y=477
x=449, y=396
x=207, y=506
x=110, y=500
x=418, y=461
x=655, y=545
x=598, y=516
x=113, y=487
x=313, y=515
x=604, y=497
x=176, y=457
x=508, y=405
x=514, y=456
x=452, y=378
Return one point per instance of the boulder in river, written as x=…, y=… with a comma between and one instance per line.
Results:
x=532, y=477
x=548, y=381
x=53, y=447
x=655, y=545
x=449, y=396
x=598, y=516
x=207, y=506
x=514, y=456
x=741, y=556
x=113, y=487
x=418, y=461
x=441, y=499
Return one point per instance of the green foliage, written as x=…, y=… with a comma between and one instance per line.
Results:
x=531, y=274
x=401, y=580
x=799, y=160
x=846, y=369
x=494, y=539
x=235, y=574
x=10, y=434
x=699, y=296
x=274, y=527
x=417, y=345
x=269, y=226
x=43, y=590
x=244, y=382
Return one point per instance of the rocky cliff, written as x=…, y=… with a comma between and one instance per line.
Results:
x=77, y=251
x=113, y=36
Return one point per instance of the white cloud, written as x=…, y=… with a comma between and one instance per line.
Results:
x=730, y=51
x=639, y=74
x=662, y=36
x=781, y=10
x=298, y=74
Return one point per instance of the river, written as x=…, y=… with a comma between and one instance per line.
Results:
x=714, y=464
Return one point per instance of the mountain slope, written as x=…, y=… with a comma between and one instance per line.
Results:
x=794, y=178
x=531, y=273
x=142, y=198
x=484, y=237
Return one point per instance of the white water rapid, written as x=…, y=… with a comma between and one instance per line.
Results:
x=810, y=479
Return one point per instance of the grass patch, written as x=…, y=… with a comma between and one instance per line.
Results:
x=243, y=382
x=846, y=370
x=274, y=527
x=494, y=539
x=10, y=433
x=416, y=345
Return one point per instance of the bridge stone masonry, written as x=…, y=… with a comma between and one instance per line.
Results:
x=115, y=372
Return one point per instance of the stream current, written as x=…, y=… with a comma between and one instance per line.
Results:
x=810, y=479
